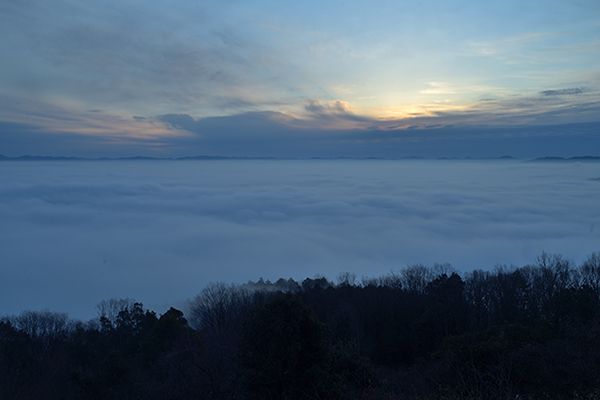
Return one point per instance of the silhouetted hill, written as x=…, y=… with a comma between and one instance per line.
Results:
x=40, y=158
x=559, y=159
x=206, y=157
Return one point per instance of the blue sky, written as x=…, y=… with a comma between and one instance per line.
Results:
x=271, y=78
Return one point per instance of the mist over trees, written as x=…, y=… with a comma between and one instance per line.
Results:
x=418, y=332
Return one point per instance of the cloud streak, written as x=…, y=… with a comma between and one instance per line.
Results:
x=563, y=92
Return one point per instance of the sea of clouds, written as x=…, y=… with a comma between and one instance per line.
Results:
x=76, y=232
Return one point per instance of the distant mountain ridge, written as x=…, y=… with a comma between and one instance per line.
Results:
x=206, y=157
x=133, y=158
x=578, y=158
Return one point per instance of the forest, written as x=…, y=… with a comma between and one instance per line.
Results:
x=530, y=332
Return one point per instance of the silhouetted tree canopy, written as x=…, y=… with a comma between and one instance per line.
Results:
x=416, y=333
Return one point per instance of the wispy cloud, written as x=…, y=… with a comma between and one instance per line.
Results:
x=50, y=119
x=562, y=92
x=141, y=59
x=510, y=48
x=439, y=88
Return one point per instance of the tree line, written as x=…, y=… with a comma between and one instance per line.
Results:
x=415, y=333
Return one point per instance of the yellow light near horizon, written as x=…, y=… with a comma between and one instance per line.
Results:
x=416, y=111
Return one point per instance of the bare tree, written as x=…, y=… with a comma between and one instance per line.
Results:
x=589, y=272
x=109, y=311
x=217, y=313
x=42, y=325
x=416, y=277
x=346, y=279
x=219, y=307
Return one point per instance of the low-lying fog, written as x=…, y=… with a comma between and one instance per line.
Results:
x=73, y=233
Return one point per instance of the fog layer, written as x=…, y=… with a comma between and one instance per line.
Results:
x=75, y=233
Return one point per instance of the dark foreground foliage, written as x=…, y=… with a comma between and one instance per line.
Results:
x=419, y=333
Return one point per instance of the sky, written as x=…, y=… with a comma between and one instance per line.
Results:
x=74, y=233
x=461, y=78
x=307, y=79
